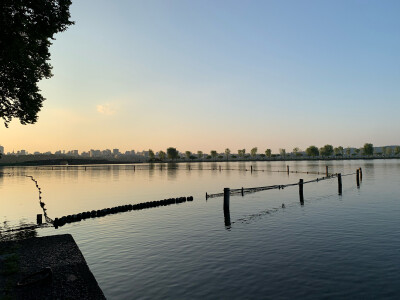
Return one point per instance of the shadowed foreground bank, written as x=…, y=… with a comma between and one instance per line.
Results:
x=70, y=279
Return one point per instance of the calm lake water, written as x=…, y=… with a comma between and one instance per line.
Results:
x=333, y=246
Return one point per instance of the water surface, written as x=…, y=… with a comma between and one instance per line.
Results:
x=332, y=246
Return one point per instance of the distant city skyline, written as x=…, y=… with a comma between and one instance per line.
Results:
x=144, y=152
x=206, y=75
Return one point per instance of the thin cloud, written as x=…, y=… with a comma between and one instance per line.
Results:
x=106, y=109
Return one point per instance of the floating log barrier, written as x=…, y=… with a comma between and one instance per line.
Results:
x=58, y=222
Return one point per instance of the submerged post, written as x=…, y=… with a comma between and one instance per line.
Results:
x=287, y=167
x=339, y=177
x=301, y=191
x=39, y=219
x=220, y=168
x=134, y=168
x=360, y=174
x=358, y=178
x=251, y=169
x=227, y=193
x=327, y=171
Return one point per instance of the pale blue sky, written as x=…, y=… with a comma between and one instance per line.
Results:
x=202, y=75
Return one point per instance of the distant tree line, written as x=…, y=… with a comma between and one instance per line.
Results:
x=313, y=152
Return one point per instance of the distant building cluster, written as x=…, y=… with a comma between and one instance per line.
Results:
x=107, y=153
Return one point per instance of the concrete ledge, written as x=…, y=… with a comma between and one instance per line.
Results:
x=71, y=278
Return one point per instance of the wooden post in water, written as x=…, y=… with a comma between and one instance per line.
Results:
x=134, y=168
x=206, y=196
x=220, y=168
x=360, y=174
x=227, y=194
x=287, y=167
x=251, y=169
x=301, y=191
x=358, y=178
x=39, y=219
x=242, y=192
x=227, y=214
x=339, y=177
x=327, y=171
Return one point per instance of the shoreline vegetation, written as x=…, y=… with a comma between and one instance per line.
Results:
x=327, y=152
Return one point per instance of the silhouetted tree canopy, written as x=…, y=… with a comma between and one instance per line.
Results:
x=368, y=149
x=26, y=30
x=312, y=151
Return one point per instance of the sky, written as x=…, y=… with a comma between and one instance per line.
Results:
x=210, y=75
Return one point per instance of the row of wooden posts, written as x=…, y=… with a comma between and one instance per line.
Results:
x=227, y=192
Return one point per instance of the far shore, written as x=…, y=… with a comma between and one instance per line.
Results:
x=85, y=162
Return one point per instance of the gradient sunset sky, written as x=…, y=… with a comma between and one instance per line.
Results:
x=203, y=75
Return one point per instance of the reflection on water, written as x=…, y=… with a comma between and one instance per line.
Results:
x=332, y=247
x=22, y=231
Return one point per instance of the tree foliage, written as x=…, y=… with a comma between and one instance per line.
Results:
x=268, y=152
x=326, y=150
x=227, y=153
x=368, y=149
x=282, y=152
x=242, y=153
x=172, y=153
x=188, y=154
x=253, y=152
x=161, y=155
x=312, y=151
x=26, y=31
x=214, y=154
x=199, y=154
x=151, y=154
x=397, y=150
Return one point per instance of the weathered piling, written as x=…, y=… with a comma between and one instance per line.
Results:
x=287, y=167
x=360, y=174
x=326, y=170
x=301, y=191
x=242, y=191
x=220, y=168
x=227, y=193
x=339, y=177
x=39, y=219
x=251, y=169
x=227, y=215
x=358, y=177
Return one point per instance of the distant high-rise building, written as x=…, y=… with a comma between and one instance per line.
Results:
x=1, y=150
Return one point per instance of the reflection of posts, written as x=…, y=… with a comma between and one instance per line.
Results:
x=227, y=215
x=301, y=192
